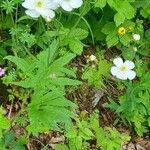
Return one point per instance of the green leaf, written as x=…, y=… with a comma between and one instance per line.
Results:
x=78, y=142
x=103, y=68
x=78, y=34
x=109, y=28
x=128, y=54
x=47, y=56
x=112, y=40
x=86, y=133
x=21, y=63
x=100, y=3
x=60, y=62
x=72, y=133
x=119, y=18
x=64, y=81
x=47, y=110
x=61, y=147
x=125, y=39
x=4, y=123
x=76, y=46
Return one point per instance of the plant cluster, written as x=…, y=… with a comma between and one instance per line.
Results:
x=39, y=39
x=88, y=129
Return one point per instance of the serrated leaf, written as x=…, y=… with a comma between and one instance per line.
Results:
x=21, y=63
x=76, y=46
x=103, y=67
x=109, y=28
x=60, y=62
x=112, y=40
x=61, y=147
x=72, y=133
x=119, y=18
x=125, y=39
x=4, y=123
x=78, y=34
x=86, y=133
x=64, y=81
x=100, y=3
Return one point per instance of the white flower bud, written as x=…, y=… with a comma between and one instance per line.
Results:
x=92, y=58
x=136, y=37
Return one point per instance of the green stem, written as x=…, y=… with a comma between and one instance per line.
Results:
x=42, y=24
x=12, y=19
x=16, y=14
x=81, y=15
x=89, y=27
x=29, y=53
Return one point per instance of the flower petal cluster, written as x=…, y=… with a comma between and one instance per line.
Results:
x=46, y=8
x=123, y=70
x=36, y=8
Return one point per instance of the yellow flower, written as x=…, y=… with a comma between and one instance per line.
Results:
x=121, y=31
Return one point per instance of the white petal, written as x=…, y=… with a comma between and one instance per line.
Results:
x=114, y=71
x=51, y=4
x=121, y=75
x=58, y=1
x=47, y=13
x=66, y=6
x=129, y=64
x=131, y=74
x=28, y=4
x=118, y=62
x=76, y=3
x=32, y=13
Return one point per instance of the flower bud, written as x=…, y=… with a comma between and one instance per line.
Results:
x=92, y=58
x=136, y=37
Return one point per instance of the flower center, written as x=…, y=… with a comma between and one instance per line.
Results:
x=39, y=4
x=123, y=68
x=121, y=31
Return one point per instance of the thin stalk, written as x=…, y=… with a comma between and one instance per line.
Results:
x=29, y=53
x=42, y=24
x=89, y=27
x=81, y=15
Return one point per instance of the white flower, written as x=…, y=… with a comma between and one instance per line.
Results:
x=68, y=5
x=136, y=37
x=36, y=8
x=123, y=70
x=92, y=58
